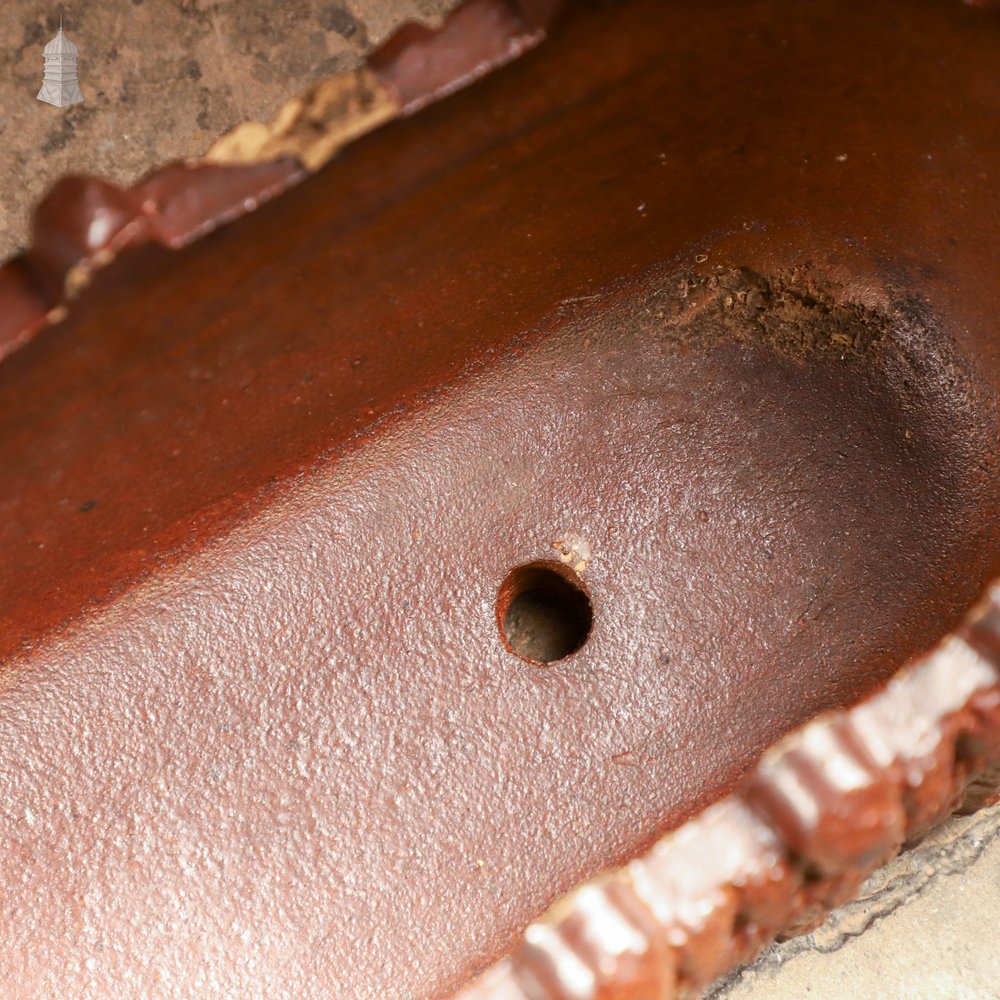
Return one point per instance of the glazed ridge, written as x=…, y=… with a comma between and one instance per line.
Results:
x=824, y=807
x=84, y=222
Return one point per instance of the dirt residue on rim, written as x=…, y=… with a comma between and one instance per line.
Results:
x=793, y=314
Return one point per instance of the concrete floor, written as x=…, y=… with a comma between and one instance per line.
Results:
x=161, y=80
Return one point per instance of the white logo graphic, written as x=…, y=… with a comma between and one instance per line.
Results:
x=60, y=86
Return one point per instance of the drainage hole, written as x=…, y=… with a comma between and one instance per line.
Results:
x=543, y=612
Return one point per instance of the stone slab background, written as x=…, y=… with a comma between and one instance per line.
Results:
x=162, y=79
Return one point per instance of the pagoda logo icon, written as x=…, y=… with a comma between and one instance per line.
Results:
x=60, y=86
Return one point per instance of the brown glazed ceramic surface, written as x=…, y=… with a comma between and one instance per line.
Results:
x=697, y=300
x=820, y=811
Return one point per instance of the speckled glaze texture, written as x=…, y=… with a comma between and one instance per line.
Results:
x=708, y=321
x=821, y=810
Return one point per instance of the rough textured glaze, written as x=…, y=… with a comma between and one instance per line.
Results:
x=707, y=316
x=824, y=807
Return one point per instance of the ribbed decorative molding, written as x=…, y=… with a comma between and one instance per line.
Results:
x=822, y=809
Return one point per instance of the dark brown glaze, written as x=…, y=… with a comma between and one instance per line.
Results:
x=81, y=221
x=539, y=13
x=662, y=310
x=85, y=222
x=185, y=201
x=419, y=64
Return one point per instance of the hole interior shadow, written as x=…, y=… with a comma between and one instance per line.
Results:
x=543, y=612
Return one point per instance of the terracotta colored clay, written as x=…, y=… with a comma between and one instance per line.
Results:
x=691, y=304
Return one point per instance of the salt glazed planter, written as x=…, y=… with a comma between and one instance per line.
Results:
x=522, y=525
